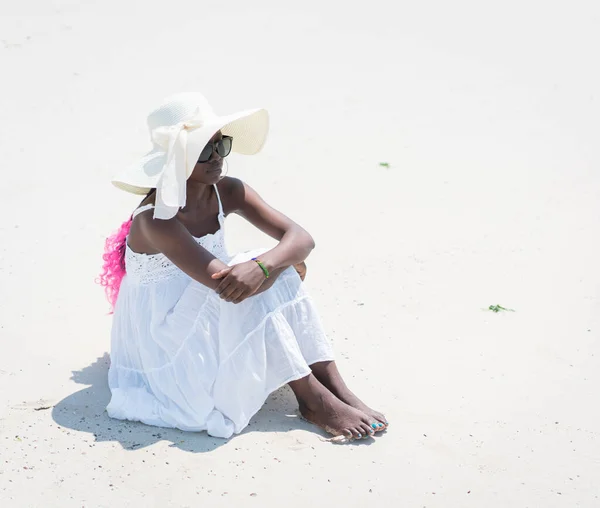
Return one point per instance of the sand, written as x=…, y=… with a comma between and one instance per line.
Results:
x=488, y=116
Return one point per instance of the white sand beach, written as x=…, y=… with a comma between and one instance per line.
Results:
x=487, y=116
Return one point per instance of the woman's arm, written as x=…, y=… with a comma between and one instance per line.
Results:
x=295, y=244
x=171, y=238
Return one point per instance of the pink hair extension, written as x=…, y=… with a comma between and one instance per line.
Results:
x=113, y=269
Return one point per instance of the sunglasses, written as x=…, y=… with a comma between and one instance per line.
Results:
x=222, y=147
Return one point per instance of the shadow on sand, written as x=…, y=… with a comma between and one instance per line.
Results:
x=84, y=411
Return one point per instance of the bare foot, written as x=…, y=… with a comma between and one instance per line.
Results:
x=351, y=399
x=328, y=374
x=319, y=406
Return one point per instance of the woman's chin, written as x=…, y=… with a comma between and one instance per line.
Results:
x=214, y=176
x=208, y=177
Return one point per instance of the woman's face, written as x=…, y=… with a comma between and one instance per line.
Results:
x=209, y=172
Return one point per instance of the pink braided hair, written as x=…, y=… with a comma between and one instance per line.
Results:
x=113, y=268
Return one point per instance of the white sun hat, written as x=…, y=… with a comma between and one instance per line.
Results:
x=180, y=128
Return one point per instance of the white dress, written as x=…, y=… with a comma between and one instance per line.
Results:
x=182, y=357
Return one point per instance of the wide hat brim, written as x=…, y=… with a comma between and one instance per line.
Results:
x=248, y=129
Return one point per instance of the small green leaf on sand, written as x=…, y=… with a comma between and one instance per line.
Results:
x=384, y=164
x=498, y=308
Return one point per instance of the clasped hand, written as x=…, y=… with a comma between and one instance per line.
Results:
x=238, y=282
x=241, y=281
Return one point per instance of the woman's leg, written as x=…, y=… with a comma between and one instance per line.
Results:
x=329, y=375
x=319, y=406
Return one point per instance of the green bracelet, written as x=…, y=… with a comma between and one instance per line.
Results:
x=262, y=267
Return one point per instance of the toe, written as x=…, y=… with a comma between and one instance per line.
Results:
x=367, y=430
x=357, y=433
x=381, y=419
x=376, y=427
x=368, y=421
x=348, y=433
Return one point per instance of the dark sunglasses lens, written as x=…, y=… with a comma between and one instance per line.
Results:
x=206, y=153
x=224, y=147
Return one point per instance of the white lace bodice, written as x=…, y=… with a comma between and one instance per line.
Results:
x=152, y=268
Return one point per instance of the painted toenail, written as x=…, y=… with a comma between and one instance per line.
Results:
x=359, y=436
x=380, y=424
x=375, y=425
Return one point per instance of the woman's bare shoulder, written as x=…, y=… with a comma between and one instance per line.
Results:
x=145, y=229
x=232, y=192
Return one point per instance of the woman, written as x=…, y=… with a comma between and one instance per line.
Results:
x=200, y=339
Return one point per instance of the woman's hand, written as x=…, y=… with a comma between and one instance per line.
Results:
x=301, y=269
x=239, y=282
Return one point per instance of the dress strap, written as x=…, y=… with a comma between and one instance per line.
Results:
x=219, y=200
x=149, y=206
x=142, y=209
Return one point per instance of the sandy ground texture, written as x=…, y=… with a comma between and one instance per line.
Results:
x=488, y=117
